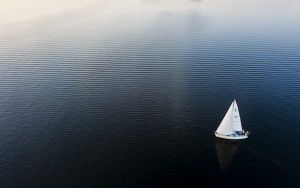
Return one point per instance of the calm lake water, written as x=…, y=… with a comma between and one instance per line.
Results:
x=127, y=93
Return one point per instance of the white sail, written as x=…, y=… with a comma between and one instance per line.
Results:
x=236, y=120
x=231, y=122
x=225, y=128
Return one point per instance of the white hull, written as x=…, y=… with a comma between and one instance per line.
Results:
x=240, y=137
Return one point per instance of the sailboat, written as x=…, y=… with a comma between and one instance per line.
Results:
x=231, y=126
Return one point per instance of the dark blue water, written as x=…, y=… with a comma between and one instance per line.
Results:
x=128, y=93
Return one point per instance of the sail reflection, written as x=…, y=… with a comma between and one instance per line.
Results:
x=226, y=150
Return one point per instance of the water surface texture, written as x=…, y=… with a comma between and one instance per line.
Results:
x=127, y=93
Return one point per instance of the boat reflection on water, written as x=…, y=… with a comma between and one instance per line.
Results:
x=226, y=150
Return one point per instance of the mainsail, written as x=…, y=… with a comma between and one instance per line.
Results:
x=236, y=120
x=231, y=122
